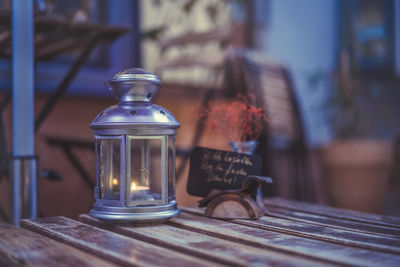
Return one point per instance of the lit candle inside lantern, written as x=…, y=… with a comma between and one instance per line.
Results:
x=139, y=189
x=115, y=186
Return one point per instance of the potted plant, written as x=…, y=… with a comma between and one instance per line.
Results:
x=239, y=120
x=356, y=163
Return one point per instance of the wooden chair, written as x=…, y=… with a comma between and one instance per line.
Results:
x=283, y=140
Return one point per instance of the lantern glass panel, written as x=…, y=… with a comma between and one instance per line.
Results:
x=145, y=186
x=108, y=167
x=171, y=167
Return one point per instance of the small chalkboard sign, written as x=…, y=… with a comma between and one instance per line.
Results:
x=217, y=169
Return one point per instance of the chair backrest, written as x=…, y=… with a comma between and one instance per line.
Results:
x=270, y=83
x=282, y=146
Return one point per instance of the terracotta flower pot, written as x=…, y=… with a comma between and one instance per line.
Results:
x=356, y=173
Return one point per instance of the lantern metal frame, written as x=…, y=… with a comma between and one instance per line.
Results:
x=135, y=89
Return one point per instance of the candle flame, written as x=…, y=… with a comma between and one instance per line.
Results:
x=114, y=181
x=133, y=186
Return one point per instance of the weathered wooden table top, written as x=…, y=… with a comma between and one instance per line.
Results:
x=292, y=234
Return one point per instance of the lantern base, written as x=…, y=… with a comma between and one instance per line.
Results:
x=136, y=215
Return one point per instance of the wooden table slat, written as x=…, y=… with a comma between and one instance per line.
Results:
x=114, y=247
x=20, y=247
x=343, y=237
x=356, y=216
x=332, y=222
x=203, y=246
x=315, y=249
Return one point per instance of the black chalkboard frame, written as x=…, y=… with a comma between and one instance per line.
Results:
x=219, y=169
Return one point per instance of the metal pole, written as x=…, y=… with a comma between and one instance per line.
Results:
x=24, y=164
x=397, y=36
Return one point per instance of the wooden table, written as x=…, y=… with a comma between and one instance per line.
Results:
x=292, y=234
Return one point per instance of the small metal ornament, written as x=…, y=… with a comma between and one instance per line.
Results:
x=135, y=153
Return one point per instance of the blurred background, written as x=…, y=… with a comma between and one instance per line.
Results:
x=325, y=72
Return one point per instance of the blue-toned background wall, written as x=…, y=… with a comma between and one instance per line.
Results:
x=303, y=35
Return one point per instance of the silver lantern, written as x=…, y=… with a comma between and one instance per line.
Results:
x=135, y=153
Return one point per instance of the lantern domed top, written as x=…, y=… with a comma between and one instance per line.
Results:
x=134, y=88
x=134, y=85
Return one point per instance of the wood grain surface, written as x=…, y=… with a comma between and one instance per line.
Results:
x=355, y=216
x=20, y=247
x=339, y=236
x=293, y=244
x=113, y=247
x=291, y=234
x=203, y=245
x=316, y=219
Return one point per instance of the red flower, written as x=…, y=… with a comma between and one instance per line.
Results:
x=240, y=120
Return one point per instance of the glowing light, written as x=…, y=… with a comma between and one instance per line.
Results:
x=133, y=186
x=139, y=189
x=114, y=181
